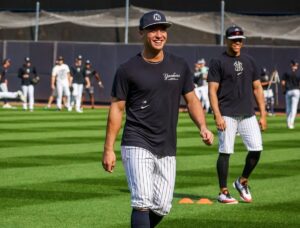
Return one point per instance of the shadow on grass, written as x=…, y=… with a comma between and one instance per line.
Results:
x=70, y=190
x=50, y=141
x=205, y=222
x=208, y=176
x=51, y=160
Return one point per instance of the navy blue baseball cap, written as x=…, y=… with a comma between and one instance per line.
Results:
x=234, y=32
x=294, y=62
x=153, y=18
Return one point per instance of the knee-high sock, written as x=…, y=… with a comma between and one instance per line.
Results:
x=251, y=161
x=140, y=219
x=222, y=169
x=154, y=219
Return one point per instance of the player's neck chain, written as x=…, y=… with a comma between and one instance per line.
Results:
x=149, y=61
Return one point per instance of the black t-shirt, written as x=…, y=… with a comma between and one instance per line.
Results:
x=235, y=76
x=90, y=72
x=198, y=78
x=31, y=71
x=77, y=74
x=2, y=74
x=292, y=79
x=152, y=93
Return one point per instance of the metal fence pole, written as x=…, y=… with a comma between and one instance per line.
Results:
x=222, y=23
x=126, y=21
x=37, y=16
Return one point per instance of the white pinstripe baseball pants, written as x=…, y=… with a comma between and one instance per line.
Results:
x=150, y=178
x=247, y=127
x=291, y=102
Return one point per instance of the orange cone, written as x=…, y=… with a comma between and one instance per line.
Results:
x=186, y=201
x=204, y=201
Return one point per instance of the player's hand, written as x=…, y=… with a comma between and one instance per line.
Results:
x=101, y=84
x=207, y=136
x=263, y=123
x=109, y=160
x=220, y=123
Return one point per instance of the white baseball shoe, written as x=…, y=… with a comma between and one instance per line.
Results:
x=226, y=198
x=21, y=96
x=243, y=190
x=79, y=110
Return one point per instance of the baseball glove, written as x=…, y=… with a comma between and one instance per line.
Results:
x=35, y=80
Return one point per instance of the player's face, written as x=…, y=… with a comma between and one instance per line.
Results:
x=294, y=67
x=234, y=46
x=155, y=37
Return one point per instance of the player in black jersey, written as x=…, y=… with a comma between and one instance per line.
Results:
x=79, y=79
x=234, y=80
x=290, y=84
x=28, y=75
x=92, y=74
x=149, y=87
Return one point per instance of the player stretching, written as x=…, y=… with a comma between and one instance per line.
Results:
x=149, y=85
x=233, y=80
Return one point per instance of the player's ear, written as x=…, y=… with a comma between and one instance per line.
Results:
x=142, y=33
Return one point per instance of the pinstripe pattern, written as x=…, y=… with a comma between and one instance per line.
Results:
x=247, y=127
x=150, y=178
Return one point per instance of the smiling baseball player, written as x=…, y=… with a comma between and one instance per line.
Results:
x=149, y=86
x=234, y=80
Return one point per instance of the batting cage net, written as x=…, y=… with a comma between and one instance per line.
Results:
x=272, y=27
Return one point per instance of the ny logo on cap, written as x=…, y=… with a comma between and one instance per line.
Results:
x=156, y=17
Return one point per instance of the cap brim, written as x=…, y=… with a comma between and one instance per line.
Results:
x=236, y=37
x=166, y=24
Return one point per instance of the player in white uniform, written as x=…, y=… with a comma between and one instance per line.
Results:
x=201, y=85
x=61, y=76
x=234, y=80
x=149, y=86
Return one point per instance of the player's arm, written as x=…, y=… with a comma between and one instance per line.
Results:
x=198, y=116
x=88, y=83
x=70, y=78
x=283, y=84
x=53, y=78
x=214, y=103
x=98, y=78
x=114, y=123
x=259, y=97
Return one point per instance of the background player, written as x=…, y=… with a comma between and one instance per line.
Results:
x=149, y=85
x=27, y=73
x=92, y=74
x=233, y=80
x=290, y=84
x=266, y=83
x=78, y=81
x=61, y=80
x=3, y=81
x=200, y=81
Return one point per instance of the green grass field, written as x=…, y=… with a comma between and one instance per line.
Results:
x=51, y=175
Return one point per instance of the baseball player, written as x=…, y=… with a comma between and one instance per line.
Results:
x=78, y=81
x=91, y=74
x=27, y=73
x=149, y=86
x=200, y=81
x=233, y=80
x=61, y=76
x=290, y=83
x=266, y=83
x=3, y=81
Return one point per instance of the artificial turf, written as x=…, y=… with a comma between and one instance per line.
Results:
x=51, y=175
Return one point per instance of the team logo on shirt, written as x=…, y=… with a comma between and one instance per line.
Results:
x=171, y=77
x=238, y=67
